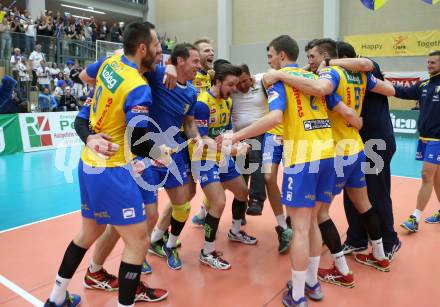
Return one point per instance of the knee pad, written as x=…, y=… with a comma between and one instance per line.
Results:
x=181, y=213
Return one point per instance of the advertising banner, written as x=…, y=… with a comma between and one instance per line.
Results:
x=10, y=139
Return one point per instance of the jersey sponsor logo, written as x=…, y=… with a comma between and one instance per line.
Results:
x=316, y=124
x=139, y=109
x=213, y=120
x=128, y=213
x=273, y=95
x=213, y=111
x=115, y=65
x=110, y=78
x=353, y=78
x=325, y=76
x=202, y=123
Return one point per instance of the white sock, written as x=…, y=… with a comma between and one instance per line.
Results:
x=236, y=226
x=341, y=263
x=281, y=220
x=312, y=271
x=156, y=235
x=202, y=211
x=378, y=252
x=59, y=290
x=209, y=247
x=417, y=213
x=93, y=267
x=172, y=241
x=298, y=284
x=121, y=305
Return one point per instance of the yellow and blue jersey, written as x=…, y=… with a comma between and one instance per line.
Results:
x=120, y=95
x=202, y=81
x=349, y=88
x=307, y=131
x=213, y=118
x=169, y=107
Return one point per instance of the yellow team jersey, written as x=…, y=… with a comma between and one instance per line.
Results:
x=114, y=81
x=277, y=130
x=202, y=82
x=350, y=89
x=213, y=117
x=307, y=131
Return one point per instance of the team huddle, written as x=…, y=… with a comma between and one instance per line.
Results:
x=202, y=121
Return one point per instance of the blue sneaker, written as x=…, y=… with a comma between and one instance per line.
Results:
x=173, y=259
x=198, y=221
x=314, y=293
x=166, y=236
x=433, y=219
x=156, y=248
x=72, y=300
x=411, y=224
x=288, y=300
x=146, y=268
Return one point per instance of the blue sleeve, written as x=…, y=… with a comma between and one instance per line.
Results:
x=192, y=105
x=138, y=102
x=332, y=100
x=201, y=116
x=330, y=74
x=371, y=81
x=53, y=102
x=276, y=97
x=92, y=69
x=156, y=76
x=409, y=93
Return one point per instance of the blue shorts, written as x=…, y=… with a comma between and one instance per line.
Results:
x=170, y=176
x=302, y=188
x=428, y=151
x=272, y=148
x=351, y=176
x=148, y=191
x=209, y=171
x=110, y=195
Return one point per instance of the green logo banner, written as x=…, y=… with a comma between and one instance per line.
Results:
x=10, y=137
x=405, y=122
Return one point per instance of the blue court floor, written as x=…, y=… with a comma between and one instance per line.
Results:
x=41, y=185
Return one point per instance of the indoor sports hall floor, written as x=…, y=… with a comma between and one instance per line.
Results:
x=39, y=199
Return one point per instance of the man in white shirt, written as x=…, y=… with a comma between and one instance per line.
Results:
x=34, y=59
x=43, y=75
x=15, y=60
x=30, y=28
x=249, y=105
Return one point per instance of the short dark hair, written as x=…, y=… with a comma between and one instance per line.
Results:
x=345, y=50
x=287, y=44
x=327, y=45
x=434, y=53
x=202, y=40
x=181, y=51
x=225, y=70
x=136, y=33
x=245, y=69
x=310, y=44
x=219, y=62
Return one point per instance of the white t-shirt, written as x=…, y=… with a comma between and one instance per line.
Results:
x=31, y=30
x=36, y=58
x=43, y=75
x=248, y=107
x=15, y=60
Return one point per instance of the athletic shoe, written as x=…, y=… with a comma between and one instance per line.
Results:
x=284, y=238
x=255, y=207
x=314, y=293
x=156, y=248
x=198, y=221
x=348, y=249
x=381, y=265
x=146, y=294
x=333, y=276
x=411, y=224
x=166, y=236
x=101, y=280
x=72, y=300
x=288, y=300
x=242, y=237
x=146, y=268
x=173, y=259
x=390, y=255
x=214, y=260
x=433, y=219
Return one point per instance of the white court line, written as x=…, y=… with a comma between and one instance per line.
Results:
x=27, y=296
x=37, y=222
x=407, y=177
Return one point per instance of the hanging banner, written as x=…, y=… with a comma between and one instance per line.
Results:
x=405, y=78
x=431, y=1
x=42, y=131
x=396, y=44
x=10, y=139
x=405, y=122
x=373, y=4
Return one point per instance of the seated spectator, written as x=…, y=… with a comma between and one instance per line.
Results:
x=15, y=60
x=69, y=65
x=6, y=89
x=87, y=90
x=59, y=90
x=45, y=101
x=68, y=102
x=24, y=78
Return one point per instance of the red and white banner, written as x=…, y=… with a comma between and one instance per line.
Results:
x=405, y=78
